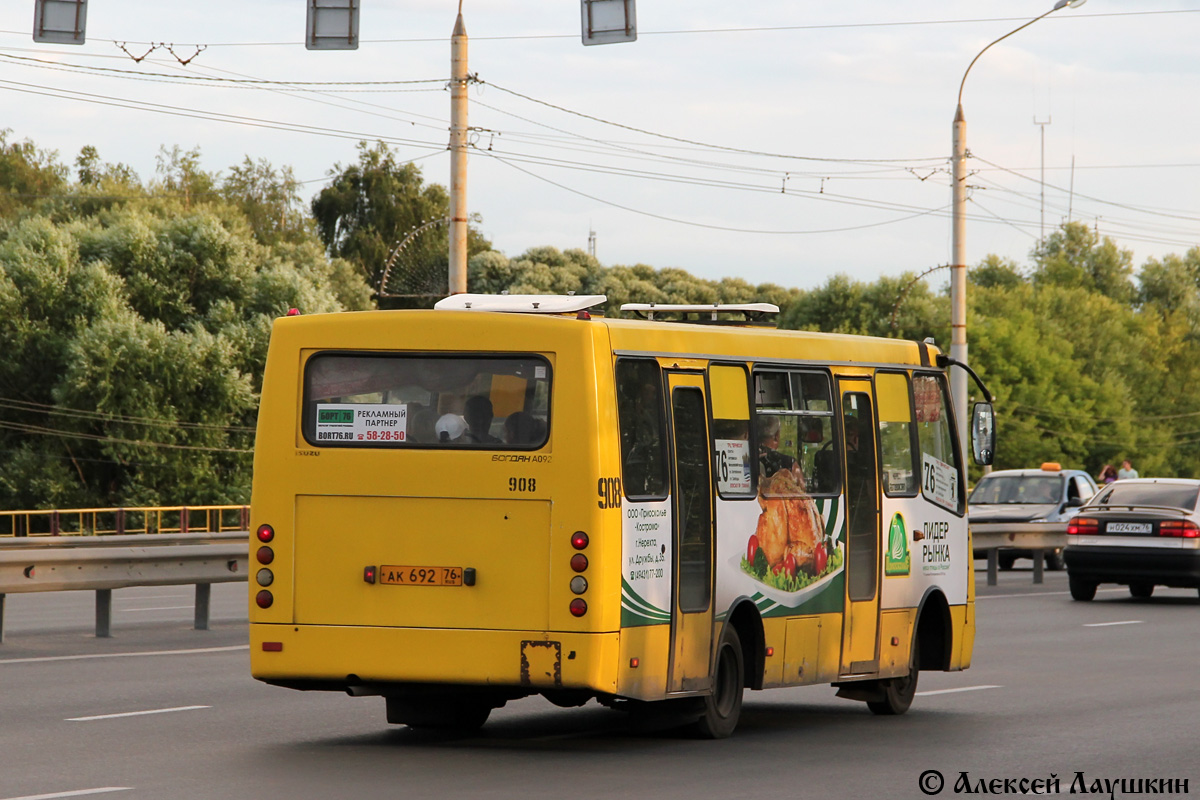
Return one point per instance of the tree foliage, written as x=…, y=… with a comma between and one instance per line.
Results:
x=370, y=207
x=547, y=270
x=27, y=175
x=136, y=327
x=137, y=317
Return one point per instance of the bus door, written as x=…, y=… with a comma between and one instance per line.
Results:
x=692, y=498
x=860, y=631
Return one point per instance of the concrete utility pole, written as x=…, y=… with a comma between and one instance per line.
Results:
x=958, y=230
x=458, y=156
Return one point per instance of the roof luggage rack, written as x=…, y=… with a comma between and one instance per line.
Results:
x=754, y=313
x=521, y=303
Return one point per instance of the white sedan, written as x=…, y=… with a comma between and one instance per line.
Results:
x=1140, y=533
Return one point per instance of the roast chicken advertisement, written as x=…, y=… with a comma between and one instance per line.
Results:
x=789, y=549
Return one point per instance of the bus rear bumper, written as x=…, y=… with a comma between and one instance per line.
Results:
x=367, y=660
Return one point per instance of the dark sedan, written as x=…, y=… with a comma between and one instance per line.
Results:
x=1139, y=533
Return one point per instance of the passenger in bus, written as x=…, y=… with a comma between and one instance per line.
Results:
x=421, y=426
x=770, y=460
x=860, y=477
x=449, y=428
x=521, y=427
x=478, y=413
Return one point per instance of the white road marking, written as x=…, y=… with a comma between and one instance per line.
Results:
x=192, y=651
x=135, y=713
x=159, y=608
x=1038, y=594
x=960, y=689
x=1106, y=624
x=76, y=793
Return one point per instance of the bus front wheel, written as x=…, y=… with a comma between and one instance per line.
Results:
x=723, y=707
x=898, y=693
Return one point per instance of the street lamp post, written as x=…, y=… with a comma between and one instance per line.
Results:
x=958, y=266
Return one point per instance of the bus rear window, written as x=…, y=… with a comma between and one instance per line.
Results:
x=483, y=402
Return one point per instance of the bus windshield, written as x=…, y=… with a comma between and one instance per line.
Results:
x=490, y=402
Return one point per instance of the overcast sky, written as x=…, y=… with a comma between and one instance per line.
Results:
x=780, y=141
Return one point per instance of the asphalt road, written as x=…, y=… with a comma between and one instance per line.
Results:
x=1107, y=688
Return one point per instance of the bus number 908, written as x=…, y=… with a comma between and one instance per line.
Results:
x=609, y=491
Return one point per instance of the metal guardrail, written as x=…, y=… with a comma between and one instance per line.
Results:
x=104, y=563
x=121, y=521
x=1035, y=537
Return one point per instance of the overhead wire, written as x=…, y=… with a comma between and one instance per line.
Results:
x=43, y=431
x=88, y=460
x=1137, y=418
x=640, y=152
x=725, y=148
x=102, y=416
x=701, y=224
x=1032, y=202
x=862, y=202
x=1141, y=445
x=442, y=123
x=1114, y=227
x=212, y=116
x=889, y=168
x=188, y=78
x=1081, y=195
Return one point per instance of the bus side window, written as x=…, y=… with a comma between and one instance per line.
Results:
x=897, y=467
x=728, y=393
x=794, y=434
x=640, y=417
x=941, y=472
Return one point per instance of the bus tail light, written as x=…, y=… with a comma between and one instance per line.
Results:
x=579, y=562
x=1081, y=526
x=579, y=540
x=578, y=606
x=265, y=533
x=265, y=555
x=1179, y=528
x=264, y=599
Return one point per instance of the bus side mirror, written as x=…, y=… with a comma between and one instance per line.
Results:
x=983, y=433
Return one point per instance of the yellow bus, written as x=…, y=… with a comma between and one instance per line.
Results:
x=507, y=496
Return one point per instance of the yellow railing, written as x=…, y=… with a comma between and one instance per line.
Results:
x=116, y=521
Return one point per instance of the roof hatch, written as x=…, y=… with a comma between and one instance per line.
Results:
x=521, y=303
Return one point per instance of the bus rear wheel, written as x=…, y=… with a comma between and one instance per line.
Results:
x=439, y=713
x=723, y=707
x=898, y=693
